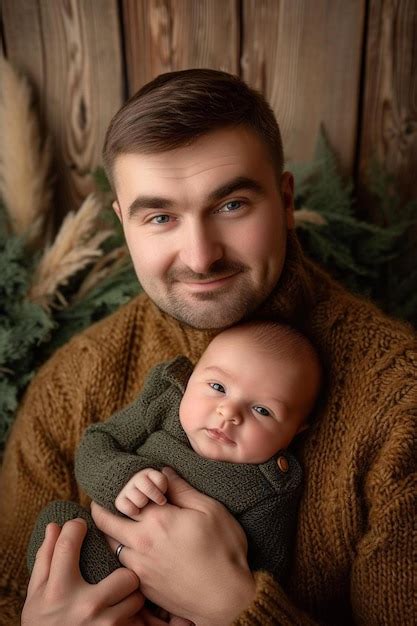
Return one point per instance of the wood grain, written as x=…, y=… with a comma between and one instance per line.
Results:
x=389, y=115
x=166, y=35
x=306, y=57
x=71, y=52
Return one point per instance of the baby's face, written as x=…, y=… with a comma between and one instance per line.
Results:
x=243, y=404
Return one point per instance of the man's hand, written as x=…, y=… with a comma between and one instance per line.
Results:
x=190, y=555
x=59, y=596
x=148, y=484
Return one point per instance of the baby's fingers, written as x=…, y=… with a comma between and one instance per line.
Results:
x=131, y=504
x=151, y=485
x=159, y=480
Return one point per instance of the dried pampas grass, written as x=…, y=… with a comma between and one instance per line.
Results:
x=105, y=266
x=24, y=159
x=308, y=216
x=76, y=245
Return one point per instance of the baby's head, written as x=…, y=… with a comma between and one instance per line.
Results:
x=250, y=393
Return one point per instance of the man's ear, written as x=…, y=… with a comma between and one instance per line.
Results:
x=302, y=428
x=287, y=194
x=117, y=210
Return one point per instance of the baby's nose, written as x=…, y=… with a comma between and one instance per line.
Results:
x=229, y=412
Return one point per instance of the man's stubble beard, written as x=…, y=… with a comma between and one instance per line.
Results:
x=233, y=305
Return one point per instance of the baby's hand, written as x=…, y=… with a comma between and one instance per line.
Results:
x=148, y=484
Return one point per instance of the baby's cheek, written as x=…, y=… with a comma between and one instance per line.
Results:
x=259, y=444
x=189, y=412
x=183, y=412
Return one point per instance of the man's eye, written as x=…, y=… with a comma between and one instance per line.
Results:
x=160, y=219
x=229, y=207
x=261, y=410
x=217, y=387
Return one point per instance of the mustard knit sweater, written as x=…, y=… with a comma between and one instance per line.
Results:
x=356, y=546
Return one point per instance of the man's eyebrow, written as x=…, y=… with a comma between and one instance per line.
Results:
x=236, y=184
x=148, y=202
x=159, y=202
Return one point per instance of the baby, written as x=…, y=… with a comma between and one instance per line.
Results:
x=224, y=426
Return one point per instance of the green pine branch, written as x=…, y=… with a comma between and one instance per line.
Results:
x=28, y=333
x=374, y=260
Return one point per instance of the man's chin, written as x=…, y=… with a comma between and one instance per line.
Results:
x=205, y=322
x=210, y=310
x=206, y=316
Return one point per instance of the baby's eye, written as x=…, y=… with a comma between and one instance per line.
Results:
x=217, y=387
x=261, y=410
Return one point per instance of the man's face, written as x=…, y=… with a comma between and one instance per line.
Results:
x=206, y=225
x=242, y=404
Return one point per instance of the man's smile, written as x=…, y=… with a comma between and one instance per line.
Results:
x=209, y=284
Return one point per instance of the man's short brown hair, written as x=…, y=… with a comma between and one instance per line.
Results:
x=176, y=108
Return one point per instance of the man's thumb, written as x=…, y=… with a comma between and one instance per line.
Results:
x=180, y=492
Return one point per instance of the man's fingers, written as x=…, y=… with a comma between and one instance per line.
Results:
x=180, y=621
x=182, y=494
x=119, y=584
x=40, y=572
x=113, y=545
x=121, y=529
x=151, y=620
x=126, y=611
x=127, y=558
x=66, y=557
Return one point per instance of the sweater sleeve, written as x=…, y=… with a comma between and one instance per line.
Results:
x=38, y=464
x=271, y=606
x=108, y=454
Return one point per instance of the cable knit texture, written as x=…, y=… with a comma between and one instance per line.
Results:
x=355, y=548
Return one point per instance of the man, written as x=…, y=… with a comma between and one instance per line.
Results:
x=195, y=160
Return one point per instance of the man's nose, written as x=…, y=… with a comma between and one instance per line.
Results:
x=200, y=248
x=229, y=412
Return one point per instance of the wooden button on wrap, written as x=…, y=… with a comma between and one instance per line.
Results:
x=282, y=464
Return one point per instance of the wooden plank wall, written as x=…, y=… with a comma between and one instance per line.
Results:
x=389, y=112
x=305, y=55
x=71, y=52
x=348, y=64
x=166, y=35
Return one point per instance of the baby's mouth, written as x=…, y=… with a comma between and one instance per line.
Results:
x=218, y=435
